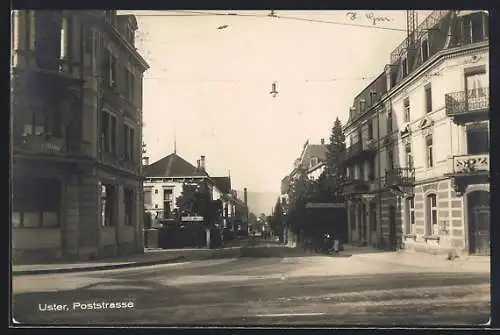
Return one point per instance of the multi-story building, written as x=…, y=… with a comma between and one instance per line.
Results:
x=76, y=134
x=418, y=154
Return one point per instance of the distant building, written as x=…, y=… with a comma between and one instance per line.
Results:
x=418, y=142
x=164, y=180
x=76, y=86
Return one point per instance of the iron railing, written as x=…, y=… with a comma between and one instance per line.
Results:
x=472, y=101
x=400, y=177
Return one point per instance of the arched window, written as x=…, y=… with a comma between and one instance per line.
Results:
x=410, y=216
x=431, y=218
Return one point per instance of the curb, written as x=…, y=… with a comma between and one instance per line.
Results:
x=97, y=267
x=212, y=254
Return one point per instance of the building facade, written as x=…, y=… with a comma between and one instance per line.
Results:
x=77, y=187
x=418, y=153
x=163, y=184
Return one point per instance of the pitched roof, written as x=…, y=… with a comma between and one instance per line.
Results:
x=223, y=184
x=172, y=166
x=315, y=150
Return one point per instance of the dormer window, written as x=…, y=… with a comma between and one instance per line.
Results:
x=313, y=162
x=425, y=50
x=404, y=66
x=352, y=112
x=362, y=105
x=130, y=34
x=373, y=97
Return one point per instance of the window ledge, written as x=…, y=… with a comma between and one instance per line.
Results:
x=431, y=238
x=410, y=236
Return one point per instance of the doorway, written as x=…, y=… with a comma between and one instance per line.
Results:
x=362, y=228
x=392, y=227
x=478, y=214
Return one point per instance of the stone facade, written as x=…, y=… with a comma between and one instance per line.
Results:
x=427, y=171
x=72, y=159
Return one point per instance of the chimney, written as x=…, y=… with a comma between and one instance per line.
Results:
x=202, y=163
x=245, y=197
x=198, y=164
x=322, y=141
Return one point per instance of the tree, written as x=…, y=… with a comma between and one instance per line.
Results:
x=276, y=221
x=335, y=156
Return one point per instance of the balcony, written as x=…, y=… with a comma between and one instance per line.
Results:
x=52, y=146
x=352, y=185
x=360, y=151
x=400, y=177
x=472, y=105
x=471, y=164
x=469, y=170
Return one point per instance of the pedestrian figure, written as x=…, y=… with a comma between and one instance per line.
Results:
x=336, y=245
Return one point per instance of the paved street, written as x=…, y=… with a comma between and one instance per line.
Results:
x=293, y=288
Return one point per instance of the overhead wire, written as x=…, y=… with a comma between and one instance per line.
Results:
x=274, y=16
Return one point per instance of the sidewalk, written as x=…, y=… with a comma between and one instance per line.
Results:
x=150, y=257
x=421, y=259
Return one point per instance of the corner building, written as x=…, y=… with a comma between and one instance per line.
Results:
x=76, y=88
x=418, y=149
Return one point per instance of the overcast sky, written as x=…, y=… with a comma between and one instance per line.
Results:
x=212, y=85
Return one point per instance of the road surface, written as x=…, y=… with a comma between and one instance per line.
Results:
x=312, y=290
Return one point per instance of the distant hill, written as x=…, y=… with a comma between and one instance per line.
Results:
x=260, y=202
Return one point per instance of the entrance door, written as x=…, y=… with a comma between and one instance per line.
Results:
x=392, y=228
x=479, y=222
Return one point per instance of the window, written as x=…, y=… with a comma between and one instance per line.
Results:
x=428, y=99
x=64, y=38
x=109, y=69
x=362, y=105
x=148, y=197
x=425, y=50
x=373, y=97
x=167, y=195
x=108, y=205
x=373, y=216
x=105, y=131
x=474, y=28
x=390, y=159
x=31, y=29
x=370, y=129
x=156, y=191
x=410, y=216
x=112, y=135
x=89, y=41
x=431, y=217
x=389, y=121
x=126, y=150
x=313, y=162
x=29, y=209
x=371, y=169
x=476, y=86
x=129, y=85
x=108, y=132
x=478, y=139
x=406, y=104
x=128, y=199
x=429, y=151
x=404, y=67
x=409, y=156
x=131, y=139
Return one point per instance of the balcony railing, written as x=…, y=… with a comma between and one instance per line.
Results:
x=359, y=148
x=51, y=145
x=400, y=177
x=352, y=185
x=471, y=163
x=472, y=101
x=354, y=149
